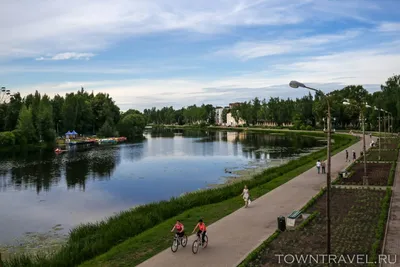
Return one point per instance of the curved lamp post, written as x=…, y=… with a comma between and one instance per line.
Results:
x=296, y=84
x=347, y=102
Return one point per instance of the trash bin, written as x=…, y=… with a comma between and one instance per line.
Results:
x=282, y=223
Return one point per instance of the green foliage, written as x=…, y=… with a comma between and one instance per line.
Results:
x=305, y=113
x=20, y=139
x=89, y=240
x=380, y=231
x=132, y=125
x=7, y=139
x=107, y=130
x=392, y=173
x=26, y=126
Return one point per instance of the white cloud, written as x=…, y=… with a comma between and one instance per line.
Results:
x=389, y=27
x=326, y=72
x=250, y=50
x=68, y=55
x=32, y=30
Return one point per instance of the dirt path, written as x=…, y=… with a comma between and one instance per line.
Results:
x=233, y=237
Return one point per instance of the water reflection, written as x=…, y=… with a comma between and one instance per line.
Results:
x=42, y=170
x=89, y=184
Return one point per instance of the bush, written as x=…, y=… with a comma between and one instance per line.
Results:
x=90, y=240
x=7, y=139
x=309, y=128
x=20, y=138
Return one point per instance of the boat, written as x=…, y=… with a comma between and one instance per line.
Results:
x=59, y=150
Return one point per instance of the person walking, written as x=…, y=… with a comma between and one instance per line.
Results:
x=354, y=155
x=246, y=196
x=323, y=166
x=318, y=166
x=347, y=155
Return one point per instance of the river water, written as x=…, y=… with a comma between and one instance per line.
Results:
x=48, y=193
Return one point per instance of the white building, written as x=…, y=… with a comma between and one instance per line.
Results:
x=218, y=115
x=230, y=120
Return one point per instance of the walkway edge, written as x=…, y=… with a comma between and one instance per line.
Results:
x=389, y=212
x=323, y=187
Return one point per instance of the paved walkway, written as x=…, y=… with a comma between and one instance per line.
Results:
x=392, y=244
x=233, y=237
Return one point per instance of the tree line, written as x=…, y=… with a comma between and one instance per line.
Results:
x=39, y=118
x=303, y=113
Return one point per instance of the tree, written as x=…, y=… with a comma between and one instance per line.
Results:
x=132, y=126
x=45, y=120
x=25, y=125
x=108, y=129
x=225, y=111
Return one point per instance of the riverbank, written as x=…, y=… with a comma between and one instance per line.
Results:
x=149, y=243
x=91, y=240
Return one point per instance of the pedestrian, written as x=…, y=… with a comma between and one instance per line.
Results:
x=246, y=196
x=323, y=166
x=318, y=166
x=347, y=155
x=354, y=155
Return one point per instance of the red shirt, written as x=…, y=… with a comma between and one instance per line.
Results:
x=178, y=227
x=202, y=227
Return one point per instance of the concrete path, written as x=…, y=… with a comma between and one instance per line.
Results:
x=233, y=237
x=392, y=244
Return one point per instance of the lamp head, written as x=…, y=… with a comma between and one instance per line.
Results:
x=296, y=84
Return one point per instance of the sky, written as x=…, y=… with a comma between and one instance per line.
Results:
x=178, y=52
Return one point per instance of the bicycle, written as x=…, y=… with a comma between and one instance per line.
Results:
x=198, y=241
x=178, y=241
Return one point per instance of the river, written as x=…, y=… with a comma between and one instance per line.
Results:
x=44, y=193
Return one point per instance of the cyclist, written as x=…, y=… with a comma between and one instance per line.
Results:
x=202, y=230
x=179, y=227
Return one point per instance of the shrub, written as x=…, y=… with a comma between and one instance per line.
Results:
x=7, y=139
x=20, y=138
x=309, y=128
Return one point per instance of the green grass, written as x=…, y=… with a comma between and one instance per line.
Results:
x=137, y=249
x=147, y=227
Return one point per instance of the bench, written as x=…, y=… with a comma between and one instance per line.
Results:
x=343, y=173
x=291, y=219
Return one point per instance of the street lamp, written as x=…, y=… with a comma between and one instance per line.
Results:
x=295, y=84
x=347, y=102
x=379, y=119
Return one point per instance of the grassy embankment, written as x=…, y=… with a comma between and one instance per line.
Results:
x=301, y=236
x=137, y=234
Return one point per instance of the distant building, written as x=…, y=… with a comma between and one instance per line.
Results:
x=218, y=115
x=230, y=120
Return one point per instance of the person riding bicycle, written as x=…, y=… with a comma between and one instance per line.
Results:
x=179, y=227
x=202, y=230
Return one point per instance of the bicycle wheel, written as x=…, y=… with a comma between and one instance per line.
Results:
x=205, y=241
x=184, y=241
x=195, y=247
x=174, y=246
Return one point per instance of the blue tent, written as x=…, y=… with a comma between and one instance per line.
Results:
x=74, y=133
x=68, y=133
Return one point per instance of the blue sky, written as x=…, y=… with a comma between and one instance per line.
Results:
x=179, y=52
